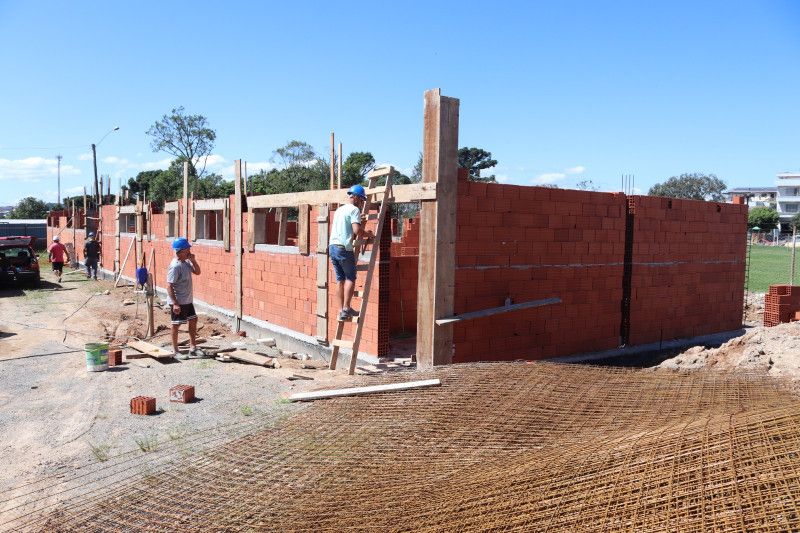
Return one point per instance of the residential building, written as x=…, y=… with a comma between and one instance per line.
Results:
x=755, y=196
x=788, y=197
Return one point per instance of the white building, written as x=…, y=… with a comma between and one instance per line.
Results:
x=788, y=196
x=754, y=196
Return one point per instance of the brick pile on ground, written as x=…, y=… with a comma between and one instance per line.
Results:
x=509, y=446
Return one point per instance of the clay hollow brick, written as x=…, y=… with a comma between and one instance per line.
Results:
x=143, y=405
x=182, y=394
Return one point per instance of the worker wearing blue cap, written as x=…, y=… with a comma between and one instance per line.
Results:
x=91, y=255
x=180, y=296
x=347, y=225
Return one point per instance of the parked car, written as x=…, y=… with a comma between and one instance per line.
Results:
x=18, y=261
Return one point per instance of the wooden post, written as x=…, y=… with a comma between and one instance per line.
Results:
x=302, y=229
x=322, y=274
x=333, y=157
x=151, y=290
x=116, y=237
x=85, y=212
x=283, y=222
x=75, y=243
x=185, y=198
x=339, y=169
x=437, y=230
x=244, y=182
x=237, y=237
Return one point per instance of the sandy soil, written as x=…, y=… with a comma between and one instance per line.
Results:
x=56, y=418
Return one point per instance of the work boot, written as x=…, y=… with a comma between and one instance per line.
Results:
x=343, y=315
x=351, y=311
x=196, y=353
x=181, y=356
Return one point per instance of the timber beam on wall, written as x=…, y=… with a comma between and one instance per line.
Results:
x=399, y=194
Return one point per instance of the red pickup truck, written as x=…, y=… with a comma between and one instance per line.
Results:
x=18, y=260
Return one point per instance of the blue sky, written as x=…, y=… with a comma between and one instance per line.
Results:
x=557, y=91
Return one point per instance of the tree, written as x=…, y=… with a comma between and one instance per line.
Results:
x=29, y=207
x=186, y=137
x=586, y=185
x=356, y=167
x=302, y=170
x=475, y=160
x=416, y=172
x=764, y=218
x=692, y=187
x=213, y=186
x=795, y=221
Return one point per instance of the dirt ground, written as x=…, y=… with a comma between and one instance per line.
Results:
x=56, y=417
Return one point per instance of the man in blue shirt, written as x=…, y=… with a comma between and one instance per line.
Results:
x=347, y=225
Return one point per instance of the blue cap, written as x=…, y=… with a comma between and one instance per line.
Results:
x=91, y=234
x=357, y=190
x=180, y=244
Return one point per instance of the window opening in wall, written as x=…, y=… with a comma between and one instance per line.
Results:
x=790, y=208
x=208, y=224
x=127, y=223
x=267, y=224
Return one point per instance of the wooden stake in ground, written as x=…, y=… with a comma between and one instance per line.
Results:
x=150, y=289
x=237, y=228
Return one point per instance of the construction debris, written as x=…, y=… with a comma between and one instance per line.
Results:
x=128, y=302
x=268, y=341
x=295, y=377
x=150, y=349
x=250, y=357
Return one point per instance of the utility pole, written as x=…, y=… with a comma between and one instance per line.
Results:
x=59, y=157
x=96, y=183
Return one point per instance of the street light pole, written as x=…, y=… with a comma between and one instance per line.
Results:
x=94, y=161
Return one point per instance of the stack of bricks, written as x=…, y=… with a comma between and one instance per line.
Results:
x=781, y=304
x=143, y=405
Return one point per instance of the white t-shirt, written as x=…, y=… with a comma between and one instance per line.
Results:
x=179, y=274
x=342, y=227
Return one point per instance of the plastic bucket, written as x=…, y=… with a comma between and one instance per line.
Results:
x=96, y=356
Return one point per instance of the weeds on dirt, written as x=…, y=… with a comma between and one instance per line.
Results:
x=147, y=443
x=176, y=433
x=100, y=451
x=247, y=410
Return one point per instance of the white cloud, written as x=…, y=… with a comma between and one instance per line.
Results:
x=254, y=167
x=71, y=191
x=114, y=160
x=549, y=177
x=34, y=169
x=502, y=178
x=85, y=157
x=575, y=170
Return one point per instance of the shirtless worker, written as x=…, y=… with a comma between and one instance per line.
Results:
x=180, y=297
x=347, y=226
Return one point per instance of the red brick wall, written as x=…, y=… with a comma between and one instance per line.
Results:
x=280, y=288
x=688, y=268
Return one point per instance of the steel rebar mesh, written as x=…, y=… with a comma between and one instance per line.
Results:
x=529, y=447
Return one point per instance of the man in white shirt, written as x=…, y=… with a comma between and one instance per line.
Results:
x=180, y=296
x=347, y=226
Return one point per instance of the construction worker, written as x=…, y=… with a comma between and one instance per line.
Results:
x=347, y=226
x=57, y=254
x=91, y=255
x=179, y=296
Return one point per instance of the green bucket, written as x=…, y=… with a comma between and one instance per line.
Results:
x=96, y=356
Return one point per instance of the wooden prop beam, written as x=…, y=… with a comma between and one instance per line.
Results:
x=496, y=311
x=437, y=237
x=302, y=229
x=237, y=236
x=185, y=198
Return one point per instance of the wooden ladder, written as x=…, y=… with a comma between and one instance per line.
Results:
x=353, y=345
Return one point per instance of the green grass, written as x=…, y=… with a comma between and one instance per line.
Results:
x=770, y=265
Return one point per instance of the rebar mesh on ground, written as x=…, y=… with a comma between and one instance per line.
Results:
x=528, y=447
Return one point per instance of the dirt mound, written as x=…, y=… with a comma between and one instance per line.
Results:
x=754, y=308
x=775, y=351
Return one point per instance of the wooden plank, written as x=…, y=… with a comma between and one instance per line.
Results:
x=121, y=268
x=237, y=236
x=322, y=275
x=302, y=229
x=150, y=349
x=437, y=230
x=210, y=204
x=379, y=172
x=472, y=315
x=342, y=343
x=116, y=241
x=400, y=194
x=357, y=391
x=185, y=198
x=250, y=357
x=283, y=222
x=251, y=230
x=226, y=225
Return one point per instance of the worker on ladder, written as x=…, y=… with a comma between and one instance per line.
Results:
x=348, y=225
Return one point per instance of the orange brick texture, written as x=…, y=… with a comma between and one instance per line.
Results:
x=781, y=304
x=181, y=394
x=685, y=260
x=143, y=405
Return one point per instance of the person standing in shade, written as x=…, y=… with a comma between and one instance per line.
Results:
x=347, y=226
x=58, y=255
x=91, y=255
x=180, y=297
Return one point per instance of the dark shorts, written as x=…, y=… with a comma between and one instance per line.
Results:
x=58, y=266
x=187, y=313
x=343, y=261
